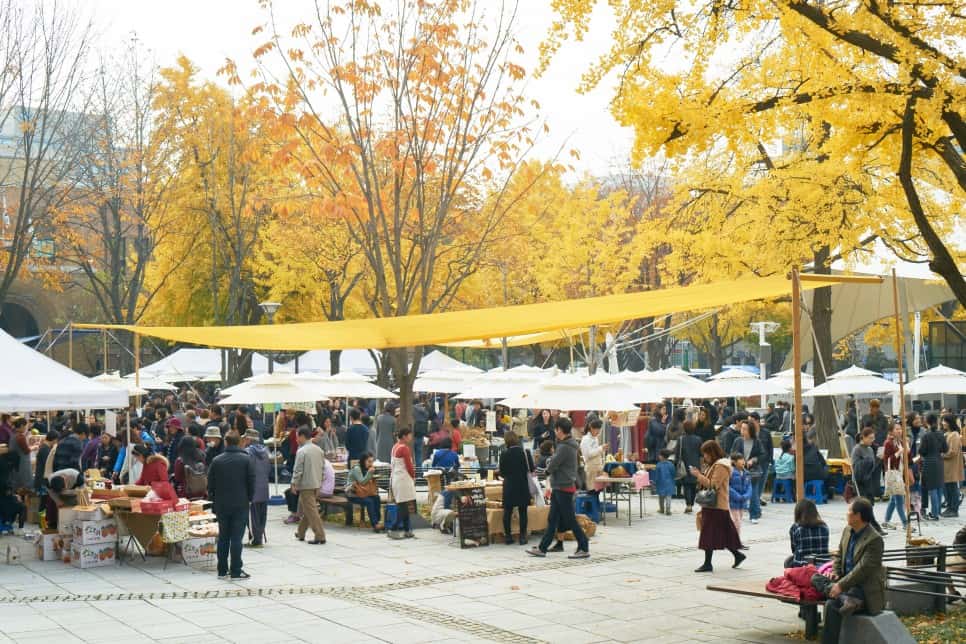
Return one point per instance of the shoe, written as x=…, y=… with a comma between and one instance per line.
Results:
x=290, y=519
x=688, y=510
x=949, y=514
x=557, y=547
x=580, y=554
x=523, y=541
x=242, y=576
x=317, y=542
x=408, y=535
x=252, y=544
x=535, y=552
x=739, y=557
x=763, y=502
x=754, y=521
x=704, y=568
x=888, y=526
x=931, y=517
x=395, y=536
x=849, y=605
x=225, y=576
x=508, y=540
x=302, y=538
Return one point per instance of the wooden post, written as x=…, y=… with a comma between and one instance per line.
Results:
x=70, y=345
x=104, y=343
x=902, y=400
x=137, y=367
x=797, y=365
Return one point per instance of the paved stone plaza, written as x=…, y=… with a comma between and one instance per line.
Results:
x=362, y=587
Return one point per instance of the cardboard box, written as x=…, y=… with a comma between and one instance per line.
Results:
x=494, y=492
x=47, y=545
x=92, y=556
x=65, y=520
x=198, y=549
x=87, y=533
x=90, y=513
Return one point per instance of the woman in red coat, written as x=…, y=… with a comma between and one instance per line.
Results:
x=155, y=466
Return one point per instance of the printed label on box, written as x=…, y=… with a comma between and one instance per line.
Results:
x=198, y=549
x=91, y=556
x=92, y=532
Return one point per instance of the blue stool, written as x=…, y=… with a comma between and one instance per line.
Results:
x=783, y=491
x=838, y=482
x=815, y=490
x=589, y=505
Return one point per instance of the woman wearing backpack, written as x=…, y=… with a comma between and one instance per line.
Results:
x=190, y=472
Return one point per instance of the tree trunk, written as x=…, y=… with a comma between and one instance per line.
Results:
x=826, y=422
x=403, y=375
x=335, y=357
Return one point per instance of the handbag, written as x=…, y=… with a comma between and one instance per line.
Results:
x=707, y=498
x=680, y=471
x=365, y=490
x=894, y=485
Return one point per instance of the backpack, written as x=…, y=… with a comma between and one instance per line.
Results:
x=195, y=480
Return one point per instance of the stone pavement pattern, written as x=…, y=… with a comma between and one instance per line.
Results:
x=362, y=587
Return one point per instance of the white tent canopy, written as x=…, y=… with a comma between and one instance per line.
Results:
x=439, y=361
x=786, y=379
x=853, y=381
x=319, y=361
x=501, y=384
x=273, y=388
x=738, y=383
x=115, y=381
x=669, y=384
x=151, y=384
x=444, y=382
x=185, y=365
x=34, y=382
x=938, y=380
x=346, y=384
x=571, y=392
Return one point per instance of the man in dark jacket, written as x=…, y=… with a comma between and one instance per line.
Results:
x=562, y=476
x=357, y=437
x=656, y=438
x=860, y=578
x=69, y=450
x=877, y=421
x=231, y=486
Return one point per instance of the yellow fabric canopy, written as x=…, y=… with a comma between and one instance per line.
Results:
x=460, y=326
x=517, y=340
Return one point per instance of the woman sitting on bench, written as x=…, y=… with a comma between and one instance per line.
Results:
x=362, y=489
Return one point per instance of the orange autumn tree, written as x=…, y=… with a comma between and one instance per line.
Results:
x=406, y=117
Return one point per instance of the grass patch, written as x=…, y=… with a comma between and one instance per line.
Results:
x=939, y=628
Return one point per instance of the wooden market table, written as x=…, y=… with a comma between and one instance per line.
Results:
x=619, y=489
x=841, y=464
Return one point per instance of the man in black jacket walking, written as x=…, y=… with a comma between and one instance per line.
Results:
x=231, y=486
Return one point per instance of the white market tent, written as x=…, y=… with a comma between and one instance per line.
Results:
x=34, y=382
x=738, y=383
x=672, y=383
x=345, y=384
x=185, y=364
x=501, y=384
x=786, y=379
x=115, y=381
x=853, y=381
x=318, y=361
x=938, y=380
x=444, y=382
x=569, y=392
x=439, y=361
x=273, y=388
x=151, y=384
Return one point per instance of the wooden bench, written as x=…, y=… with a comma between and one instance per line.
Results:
x=339, y=500
x=756, y=588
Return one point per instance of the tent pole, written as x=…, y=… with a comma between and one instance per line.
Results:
x=70, y=345
x=902, y=398
x=137, y=368
x=797, y=364
x=104, y=342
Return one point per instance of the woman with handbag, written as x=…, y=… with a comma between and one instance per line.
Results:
x=896, y=467
x=718, y=531
x=516, y=467
x=363, y=489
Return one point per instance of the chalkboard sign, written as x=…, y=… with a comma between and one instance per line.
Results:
x=471, y=511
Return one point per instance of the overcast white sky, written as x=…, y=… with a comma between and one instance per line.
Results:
x=209, y=31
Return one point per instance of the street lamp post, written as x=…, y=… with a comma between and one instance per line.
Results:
x=764, y=349
x=270, y=308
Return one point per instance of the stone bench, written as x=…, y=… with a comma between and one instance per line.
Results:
x=883, y=628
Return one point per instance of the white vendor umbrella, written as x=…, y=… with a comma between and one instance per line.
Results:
x=853, y=381
x=786, y=379
x=672, y=383
x=115, y=381
x=444, y=382
x=938, y=380
x=151, y=384
x=273, y=388
x=501, y=384
x=738, y=383
x=346, y=384
x=570, y=392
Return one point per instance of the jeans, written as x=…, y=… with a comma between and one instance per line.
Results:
x=561, y=519
x=231, y=531
x=952, y=497
x=754, y=511
x=418, y=451
x=690, y=489
x=833, y=620
x=935, y=501
x=372, y=505
x=897, y=502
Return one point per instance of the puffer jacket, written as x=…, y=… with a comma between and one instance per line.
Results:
x=262, y=471
x=739, y=489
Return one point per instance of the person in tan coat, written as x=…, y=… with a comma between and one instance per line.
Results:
x=718, y=531
x=952, y=465
x=307, y=478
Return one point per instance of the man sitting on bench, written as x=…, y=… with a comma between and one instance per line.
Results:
x=859, y=579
